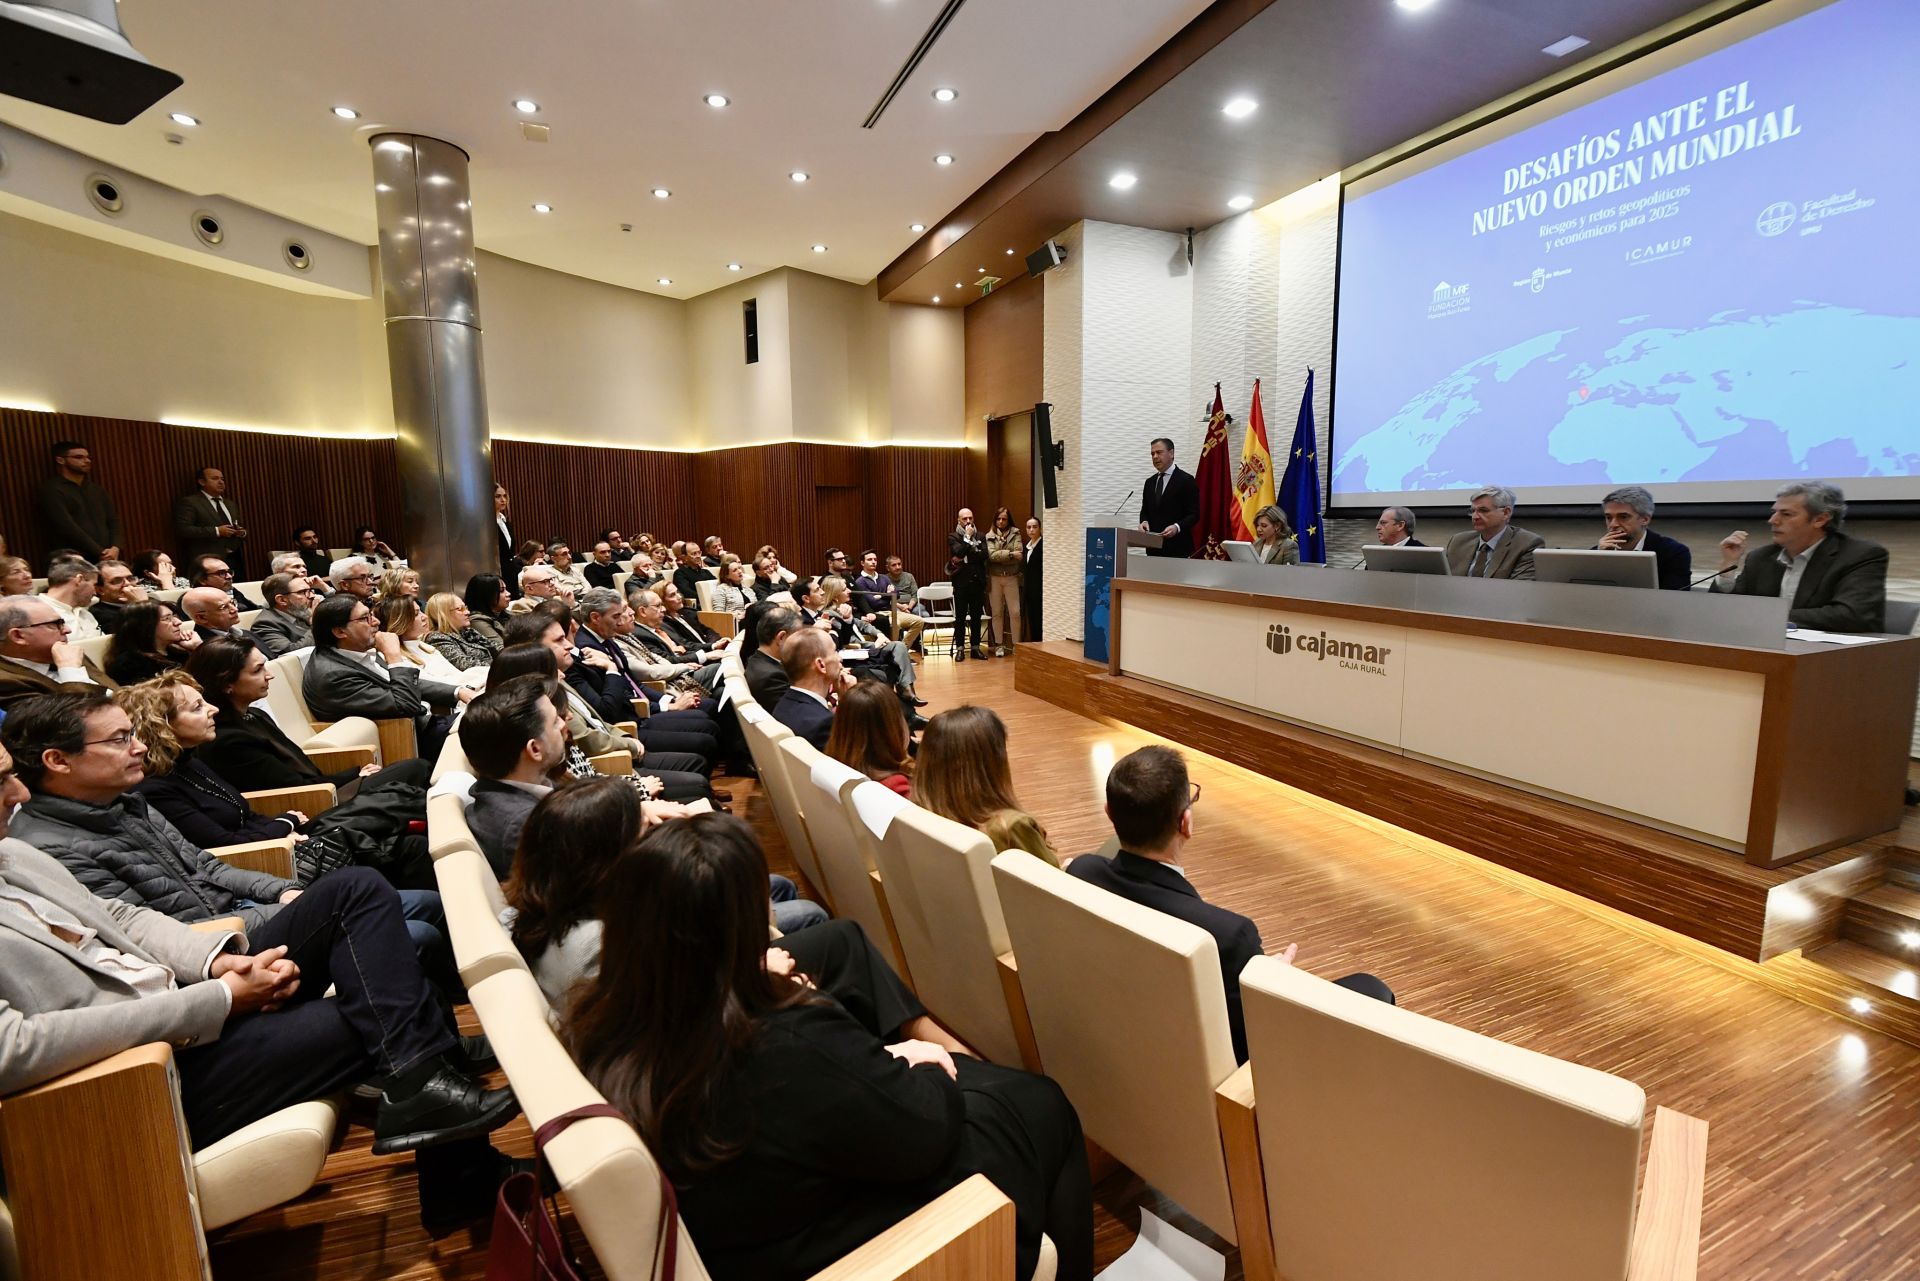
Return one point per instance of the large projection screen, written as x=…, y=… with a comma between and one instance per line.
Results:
x=1698, y=272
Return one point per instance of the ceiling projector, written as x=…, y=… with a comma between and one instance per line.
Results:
x=71, y=55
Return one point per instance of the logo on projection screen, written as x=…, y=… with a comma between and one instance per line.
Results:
x=1352, y=655
x=1776, y=219
x=1449, y=299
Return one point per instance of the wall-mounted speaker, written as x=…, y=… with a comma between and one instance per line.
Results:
x=750, y=320
x=1046, y=258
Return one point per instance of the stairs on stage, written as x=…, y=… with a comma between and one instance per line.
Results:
x=1879, y=944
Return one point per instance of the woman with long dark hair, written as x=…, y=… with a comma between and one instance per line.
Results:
x=151, y=638
x=792, y=1129
x=870, y=734
x=487, y=599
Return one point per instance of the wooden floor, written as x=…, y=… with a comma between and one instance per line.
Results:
x=1814, y=1157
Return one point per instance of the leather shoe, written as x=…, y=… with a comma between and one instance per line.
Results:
x=916, y=700
x=959, y=655
x=449, y=1106
x=459, y=1183
x=720, y=795
x=916, y=723
x=980, y=654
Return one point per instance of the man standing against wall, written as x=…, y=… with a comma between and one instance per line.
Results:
x=78, y=512
x=206, y=523
x=967, y=567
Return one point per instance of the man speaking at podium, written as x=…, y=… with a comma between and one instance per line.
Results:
x=1169, y=503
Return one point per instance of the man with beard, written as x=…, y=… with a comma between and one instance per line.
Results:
x=286, y=624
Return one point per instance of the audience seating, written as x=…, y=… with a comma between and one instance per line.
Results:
x=763, y=733
x=320, y=740
x=1154, y=1112
x=246, y=618
x=452, y=760
x=1387, y=1145
x=620, y=578
x=95, y=648
x=704, y=591
x=941, y=899
x=309, y=798
x=469, y=893
x=820, y=784
x=39, y=586
x=720, y=621
x=274, y=857
x=168, y=595
x=938, y=598
x=613, y=1183
x=251, y=590
x=447, y=828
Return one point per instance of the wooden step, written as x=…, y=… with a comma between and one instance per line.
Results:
x=1886, y=918
x=1903, y=867
x=1870, y=966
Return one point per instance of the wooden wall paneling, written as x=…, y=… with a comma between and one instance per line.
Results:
x=574, y=492
x=840, y=520
x=913, y=494
x=1005, y=336
x=275, y=481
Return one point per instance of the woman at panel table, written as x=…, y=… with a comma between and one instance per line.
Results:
x=1273, y=539
x=791, y=1120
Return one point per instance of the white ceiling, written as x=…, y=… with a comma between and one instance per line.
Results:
x=621, y=84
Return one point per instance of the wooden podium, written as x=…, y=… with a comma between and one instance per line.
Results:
x=1107, y=547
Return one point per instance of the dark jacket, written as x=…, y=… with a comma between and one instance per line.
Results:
x=205, y=808
x=687, y=628
x=967, y=558
x=489, y=629
x=598, y=575
x=18, y=682
x=1842, y=589
x=197, y=522
x=498, y=812
x=318, y=563
x=802, y=714
x=337, y=687
x=253, y=753
x=128, y=852
x=277, y=633
x=608, y=693
x=1178, y=505
x=1672, y=559
x=79, y=516
x=1032, y=579
x=107, y=614
x=766, y=678
x=685, y=577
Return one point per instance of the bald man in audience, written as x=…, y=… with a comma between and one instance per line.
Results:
x=35, y=655
x=814, y=679
x=70, y=590
x=543, y=582
x=212, y=611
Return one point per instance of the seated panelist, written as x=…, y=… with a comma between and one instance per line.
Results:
x=1834, y=581
x=1394, y=528
x=1274, y=542
x=1629, y=513
x=1495, y=547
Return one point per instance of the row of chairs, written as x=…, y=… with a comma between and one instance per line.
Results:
x=1386, y=1144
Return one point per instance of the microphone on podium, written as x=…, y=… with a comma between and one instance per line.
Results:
x=1117, y=506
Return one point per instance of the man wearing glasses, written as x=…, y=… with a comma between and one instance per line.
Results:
x=35, y=655
x=354, y=576
x=358, y=670
x=214, y=572
x=286, y=623
x=1150, y=801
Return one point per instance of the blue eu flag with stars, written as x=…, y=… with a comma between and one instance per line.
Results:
x=1299, y=494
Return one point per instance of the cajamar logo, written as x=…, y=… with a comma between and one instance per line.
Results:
x=1350, y=654
x=1279, y=638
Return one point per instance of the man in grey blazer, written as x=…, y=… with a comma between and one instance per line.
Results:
x=83, y=978
x=1834, y=581
x=1495, y=547
x=357, y=670
x=286, y=623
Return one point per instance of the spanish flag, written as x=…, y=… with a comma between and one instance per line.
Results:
x=1253, y=482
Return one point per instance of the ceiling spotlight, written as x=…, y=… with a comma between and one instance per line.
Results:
x=346, y=113
x=182, y=118
x=1414, y=6
x=1122, y=181
x=819, y=249
x=541, y=206
x=663, y=281
x=945, y=95
x=733, y=266
x=716, y=100
x=943, y=159
x=958, y=285
x=1240, y=202
x=525, y=106
x=1241, y=108
x=1859, y=1005
x=799, y=175
x=661, y=193
x=918, y=226
x=936, y=297
x=1561, y=48
x=1910, y=938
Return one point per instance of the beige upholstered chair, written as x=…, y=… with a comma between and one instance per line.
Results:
x=613, y=1183
x=763, y=733
x=102, y=1183
x=620, y=578
x=1393, y=1145
x=1153, y=1111
x=452, y=759
x=704, y=591
x=167, y=596
x=732, y=668
x=447, y=828
x=246, y=618
x=940, y=897
x=95, y=648
x=394, y=736
x=251, y=590
x=472, y=899
x=353, y=741
x=821, y=785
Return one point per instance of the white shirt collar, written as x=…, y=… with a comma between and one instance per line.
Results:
x=369, y=659
x=1801, y=559
x=818, y=698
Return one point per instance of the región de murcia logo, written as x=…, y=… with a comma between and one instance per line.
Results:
x=1371, y=659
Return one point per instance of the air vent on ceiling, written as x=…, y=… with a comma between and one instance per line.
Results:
x=207, y=227
x=934, y=32
x=533, y=132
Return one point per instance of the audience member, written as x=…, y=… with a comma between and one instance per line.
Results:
x=397, y=582
x=766, y=667
x=510, y=565
x=213, y=571
x=205, y=522
x=357, y=670
x=530, y=552
x=681, y=623
x=155, y=569
x=691, y=573
x=77, y=512
x=732, y=594
x=368, y=546
x=453, y=634
x=352, y=576
x=1003, y=581
x=16, y=577
x=755, y=1079
x=1150, y=803
x=71, y=585
x=650, y=630
x=487, y=599
x=1032, y=583
x=119, y=588
x=837, y=566
x=870, y=734
x=873, y=593
x=306, y=541
x=402, y=617
x=212, y=611
x=887, y=661
x=967, y=568
x=270, y=1039
x=599, y=571
x=543, y=582
x=560, y=556
x=617, y=542
x=764, y=583
x=673, y=721
x=286, y=624
x=780, y=573
x=294, y=565
x=906, y=589
x=964, y=774
x=35, y=655
x=1274, y=542
x=151, y=639
x=1833, y=582
x=1495, y=547
x=645, y=572
x=814, y=679
x=712, y=550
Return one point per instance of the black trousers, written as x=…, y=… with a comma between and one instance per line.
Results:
x=969, y=602
x=345, y=931
x=690, y=733
x=683, y=776
x=843, y=963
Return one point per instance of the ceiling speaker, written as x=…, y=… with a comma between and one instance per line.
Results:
x=1046, y=258
x=72, y=56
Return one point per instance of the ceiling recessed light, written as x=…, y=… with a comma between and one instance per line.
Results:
x=819, y=249
x=1122, y=181
x=1859, y=1005
x=958, y=285
x=541, y=206
x=346, y=113
x=182, y=118
x=525, y=106
x=945, y=95
x=799, y=175
x=661, y=193
x=943, y=159
x=663, y=281
x=733, y=266
x=936, y=297
x=1009, y=253
x=716, y=100
x=1240, y=202
x=918, y=226
x=1414, y=6
x=1561, y=48
x=1239, y=108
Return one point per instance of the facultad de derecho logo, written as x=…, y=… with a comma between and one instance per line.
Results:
x=1350, y=654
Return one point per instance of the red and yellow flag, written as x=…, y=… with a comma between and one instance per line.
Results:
x=1214, y=476
x=1253, y=481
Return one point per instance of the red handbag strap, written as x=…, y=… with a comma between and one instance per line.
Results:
x=558, y=1125
x=668, y=1244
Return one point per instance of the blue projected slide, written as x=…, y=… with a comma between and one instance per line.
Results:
x=1708, y=281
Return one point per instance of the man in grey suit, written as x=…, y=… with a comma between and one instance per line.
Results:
x=357, y=670
x=83, y=978
x=1495, y=547
x=286, y=624
x=1835, y=582
x=206, y=522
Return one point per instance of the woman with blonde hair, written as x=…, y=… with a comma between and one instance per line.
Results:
x=16, y=577
x=963, y=775
x=1274, y=543
x=399, y=581
x=402, y=616
x=870, y=734
x=453, y=635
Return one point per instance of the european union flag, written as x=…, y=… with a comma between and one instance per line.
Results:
x=1299, y=494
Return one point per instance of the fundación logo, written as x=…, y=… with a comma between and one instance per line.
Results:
x=1449, y=299
x=1353, y=655
x=1776, y=219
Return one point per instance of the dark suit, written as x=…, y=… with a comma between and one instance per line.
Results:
x=686, y=577
x=78, y=516
x=598, y=575
x=197, y=521
x=1672, y=559
x=686, y=628
x=767, y=679
x=1178, y=503
x=18, y=682
x=803, y=714
x=498, y=812
x=509, y=563
x=1031, y=578
x=1842, y=589
x=337, y=687
x=1512, y=555
x=1156, y=885
x=967, y=568
x=318, y=563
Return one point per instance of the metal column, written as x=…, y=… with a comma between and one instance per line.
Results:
x=433, y=356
